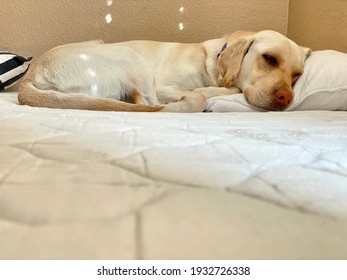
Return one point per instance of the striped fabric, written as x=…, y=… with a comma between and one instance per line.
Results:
x=12, y=68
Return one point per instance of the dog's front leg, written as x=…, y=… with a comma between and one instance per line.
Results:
x=209, y=92
x=179, y=100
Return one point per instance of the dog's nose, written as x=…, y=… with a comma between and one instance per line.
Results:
x=284, y=96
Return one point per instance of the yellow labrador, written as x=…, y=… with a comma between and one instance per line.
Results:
x=171, y=77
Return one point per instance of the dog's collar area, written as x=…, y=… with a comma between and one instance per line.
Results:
x=224, y=47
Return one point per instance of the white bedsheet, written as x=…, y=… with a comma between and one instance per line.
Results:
x=80, y=168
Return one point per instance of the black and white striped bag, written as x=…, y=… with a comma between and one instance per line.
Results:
x=12, y=68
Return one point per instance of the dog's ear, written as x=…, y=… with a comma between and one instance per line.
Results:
x=230, y=60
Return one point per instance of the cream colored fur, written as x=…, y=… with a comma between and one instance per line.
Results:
x=156, y=76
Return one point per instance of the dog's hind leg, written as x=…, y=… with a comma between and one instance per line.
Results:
x=138, y=97
x=143, y=90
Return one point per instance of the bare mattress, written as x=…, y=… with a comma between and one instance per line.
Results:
x=114, y=185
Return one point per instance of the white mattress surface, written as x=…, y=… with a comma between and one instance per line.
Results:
x=84, y=184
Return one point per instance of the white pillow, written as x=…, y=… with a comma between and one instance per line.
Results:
x=322, y=86
x=12, y=68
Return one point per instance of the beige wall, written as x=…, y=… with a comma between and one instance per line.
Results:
x=31, y=27
x=319, y=24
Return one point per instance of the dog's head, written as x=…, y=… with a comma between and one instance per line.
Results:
x=264, y=66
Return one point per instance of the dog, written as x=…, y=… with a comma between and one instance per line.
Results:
x=149, y=76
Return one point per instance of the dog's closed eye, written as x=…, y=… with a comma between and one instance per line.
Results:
x=270, y=59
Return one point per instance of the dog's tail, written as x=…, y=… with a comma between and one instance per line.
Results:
x=29, y=94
